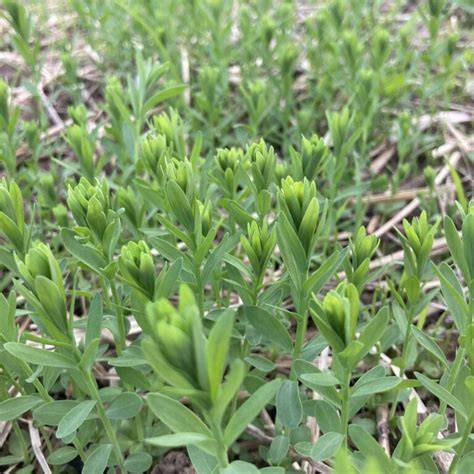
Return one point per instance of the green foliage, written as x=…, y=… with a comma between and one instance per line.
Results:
x=192, y=242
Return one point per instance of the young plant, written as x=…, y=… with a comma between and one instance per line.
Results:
x=192, y=364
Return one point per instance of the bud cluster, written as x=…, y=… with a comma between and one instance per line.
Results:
x=310, y=159
x=417, y=243
x=258, y=246
x=90, y=207
x=137, y=267
x=12, y=218
x=179, y=350
x=41, y=272
x=226, y=172
x=300, y=206
x=262, y=163
x=356, y=266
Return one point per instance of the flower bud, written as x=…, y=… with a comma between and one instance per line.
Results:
x=287, y=58
x=32, y=134
x=268, y=27
x=4, y=105
x=132, y=205
x=341, y=310
x=209, y=78
x=227, y=160
x=351, y=50
x=78, y=114
x=61, y=214
x=154, y=154
x=137, y=267
x=41, y=271
x=258, y=245
x=309, y=161
x=179, y=336
x=12, y=218
x=417, y=243
x=380, y=47
x=182, y=174
x=299, y=204
x=362, y=247
x=90, y=206
x=172, y=127
x=83, y=147
x=435, y=7
x=113, y=97
x=430, y=175
x=262, y=164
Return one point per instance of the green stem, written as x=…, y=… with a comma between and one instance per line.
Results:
x=200, y=289
x=403, y=362
x=109, y=429
x=453, y=375
x=221, y=454
x=462, y=445
x=105, y=292
x=301, y=326
x=345, y=396
x=121, y=343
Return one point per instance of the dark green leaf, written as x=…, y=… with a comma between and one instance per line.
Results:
x=288, y=404
x=126, y=405
x=268, y=326
x=97, y=460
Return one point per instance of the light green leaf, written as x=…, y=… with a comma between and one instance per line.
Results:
x=62, y=456
x=268, y=326
x=33, y=355
x=217, y=349
x=326, y=446
x=74, y=418
x=138, y=462
x=97, y=460
x=382, y=384
x=288, y=404
x=249, y=410
x=14, y=407
x=443, y=394
x=126, y=405
x=176, y=416
x=85, y=254
x=369, y=447
x=430, y=345
x=322, y=379
x=178, y=439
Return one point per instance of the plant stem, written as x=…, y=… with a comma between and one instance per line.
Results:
x=200, y=289
x=121, y=343
x=345, y=395
x=453, y=375
x=301, y=327
x=462, y=445
x=221, y=453
x=403, y=362
x=109, y=429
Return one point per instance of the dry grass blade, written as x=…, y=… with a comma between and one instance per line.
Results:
x=37, y=448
